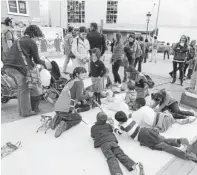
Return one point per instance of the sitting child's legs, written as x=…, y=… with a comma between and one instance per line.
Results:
x=68, y=120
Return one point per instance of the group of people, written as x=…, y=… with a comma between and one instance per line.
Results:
x=85, y=51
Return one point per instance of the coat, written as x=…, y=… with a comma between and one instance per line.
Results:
x=180, y=52
x=96, y=40
x=81, y=50
x=102, y=133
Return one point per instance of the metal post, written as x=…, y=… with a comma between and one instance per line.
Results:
x=147, y=29
x=157, y=17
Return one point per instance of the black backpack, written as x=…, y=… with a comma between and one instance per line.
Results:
x=150, y=82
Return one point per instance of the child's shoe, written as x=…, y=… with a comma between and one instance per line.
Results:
x=191, y=156
x=60, y=128
x=54, y=122
x=139, y=168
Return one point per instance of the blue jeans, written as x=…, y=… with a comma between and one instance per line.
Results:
x=24, y=99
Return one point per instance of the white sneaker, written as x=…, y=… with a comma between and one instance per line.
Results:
x=139, y=169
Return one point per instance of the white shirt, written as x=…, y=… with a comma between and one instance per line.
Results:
x=144, y=116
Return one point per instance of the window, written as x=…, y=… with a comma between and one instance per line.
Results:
x=17, y=7
x=76, y=11
x=112, y=11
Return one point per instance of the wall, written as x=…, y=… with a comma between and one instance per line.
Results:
x=34, y=12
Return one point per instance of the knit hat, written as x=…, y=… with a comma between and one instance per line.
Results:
x=82, y=29
x=101, y=117
x=120, y=116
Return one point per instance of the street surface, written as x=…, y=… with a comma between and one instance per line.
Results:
x=40, y=151
x=157, y=71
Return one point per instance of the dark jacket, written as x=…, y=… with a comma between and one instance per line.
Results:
x=102, y=133
x=30, y=50
x=180, y=52
x=97, y=40
x=97, y=69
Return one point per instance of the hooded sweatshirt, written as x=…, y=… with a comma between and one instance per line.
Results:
x=102, y=132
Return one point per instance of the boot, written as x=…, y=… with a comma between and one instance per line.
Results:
x=171, y=74
x=60, y=128
x=35, y=101
x=174, y=80
x=54, y=122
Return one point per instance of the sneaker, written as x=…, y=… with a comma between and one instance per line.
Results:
x=191, y=156
x=54, y=122
x=140, y=169
x=60, y=128
x=184, y=141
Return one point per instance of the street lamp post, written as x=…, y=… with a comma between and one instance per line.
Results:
x=148, y=15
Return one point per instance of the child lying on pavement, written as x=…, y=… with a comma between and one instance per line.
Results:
x=146, y=116
x=151, y=138
x=103, y=136
x=65, y=106
x=167, y=102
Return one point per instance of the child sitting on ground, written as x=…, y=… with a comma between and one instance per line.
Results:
x=131, y=95
x=146, y=116
x=151, y=138
x=97, y=71
x=103, y=136
x=167, y=102
x=66, y=106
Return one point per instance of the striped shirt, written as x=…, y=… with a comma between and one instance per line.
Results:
x=130, y=127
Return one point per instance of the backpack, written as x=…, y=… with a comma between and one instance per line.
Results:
x=150, y=82
x=71, y=55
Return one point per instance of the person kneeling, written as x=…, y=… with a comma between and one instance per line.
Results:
x=151, y=138
x=103, y=136
x=67, y=107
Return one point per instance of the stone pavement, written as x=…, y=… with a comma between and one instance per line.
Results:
x=158, y=71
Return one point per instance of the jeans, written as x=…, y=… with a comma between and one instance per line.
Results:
x=174, y=108
x=164, y=55
x=65, y=63
x=112, y=152
x=139, y=62
x=181, y=67
x=145, y=57
x=71, y=119
x=115, y=69
x=24, y=100
x=185, y=68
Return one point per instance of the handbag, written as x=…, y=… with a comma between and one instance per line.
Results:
x=33, y=76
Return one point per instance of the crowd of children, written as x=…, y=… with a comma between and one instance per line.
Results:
x=144, y=124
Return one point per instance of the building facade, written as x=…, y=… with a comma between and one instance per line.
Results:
x=23, y=12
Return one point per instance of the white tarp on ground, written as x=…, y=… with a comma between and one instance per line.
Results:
x=73, y=152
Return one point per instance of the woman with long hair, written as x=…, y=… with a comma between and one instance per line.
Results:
x=116, y=59
x=22, y=57
x=180, y=54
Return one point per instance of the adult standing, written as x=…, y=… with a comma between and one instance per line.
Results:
x=140, y=53
x=166, y=51
x=116, y=59
x=146, y=50
x=80, y=48
x=113, y=42
x=155, y=46
x=180, y=53
x=96, y=39
x=28, y=100
x=68, y=46
x=7, y=37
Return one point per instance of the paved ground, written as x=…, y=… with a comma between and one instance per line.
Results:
x=158, y=71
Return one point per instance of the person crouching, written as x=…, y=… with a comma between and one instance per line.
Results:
x=103, y=136
x=97, y=71
x=65, y=107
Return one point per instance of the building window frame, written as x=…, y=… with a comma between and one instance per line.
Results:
x=76, y=11
x=17, y=6
x=112, y=12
